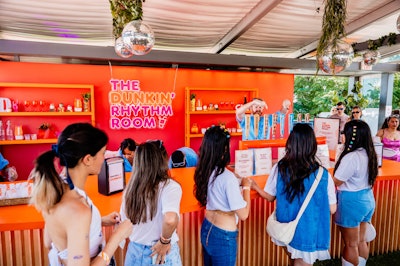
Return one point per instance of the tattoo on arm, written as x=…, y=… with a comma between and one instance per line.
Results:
x=77, y=257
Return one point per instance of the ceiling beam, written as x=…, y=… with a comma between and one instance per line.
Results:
x=85, y=54
x=358, y=24
x=251, y=18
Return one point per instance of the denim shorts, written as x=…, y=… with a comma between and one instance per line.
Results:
x=354, y=207
x=139, y=255
x=219, y=246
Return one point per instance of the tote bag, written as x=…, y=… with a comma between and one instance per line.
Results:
x=284, y=232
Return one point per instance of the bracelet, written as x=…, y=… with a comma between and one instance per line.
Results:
x=105, y=257
x=165, y=241
x=246, y=188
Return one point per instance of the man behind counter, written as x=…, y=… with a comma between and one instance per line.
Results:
x=256, y=106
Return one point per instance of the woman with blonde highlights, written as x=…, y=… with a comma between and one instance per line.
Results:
x=73, y=225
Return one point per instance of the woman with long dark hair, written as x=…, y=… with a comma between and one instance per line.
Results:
x=354, y=175
x=289, y=182
x=73, y=225
x=218, y=189
x=152, y=202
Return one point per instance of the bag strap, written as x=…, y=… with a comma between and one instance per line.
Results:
x=310, y=194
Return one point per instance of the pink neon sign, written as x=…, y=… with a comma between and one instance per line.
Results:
x=132, y=108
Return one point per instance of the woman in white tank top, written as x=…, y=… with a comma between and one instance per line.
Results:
x=73, y=225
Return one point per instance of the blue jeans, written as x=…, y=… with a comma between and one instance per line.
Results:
x=139, y=255
x=219, y=246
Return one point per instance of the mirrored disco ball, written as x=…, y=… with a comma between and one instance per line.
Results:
x=139, y=36
x=122, y=49
x=371, y=57
x=337, y=58
x=398, y=24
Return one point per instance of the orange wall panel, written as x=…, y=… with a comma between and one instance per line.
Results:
x=273, y=88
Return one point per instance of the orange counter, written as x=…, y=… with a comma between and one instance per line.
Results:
x=21, y=226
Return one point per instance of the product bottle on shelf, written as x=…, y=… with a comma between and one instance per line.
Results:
x=2, y=131
x=9, y=131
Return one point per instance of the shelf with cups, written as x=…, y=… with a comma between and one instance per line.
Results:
x=46, y=113
x=215, y=112
x=202, y=135
x=31, y=141
x=205, y=107
x=34, y=114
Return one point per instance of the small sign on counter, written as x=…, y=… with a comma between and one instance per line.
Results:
x=111, y=178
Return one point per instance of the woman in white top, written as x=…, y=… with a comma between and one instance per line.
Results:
x=152, y=202
x=73, y=225
x=218, y=189
x=354, y=175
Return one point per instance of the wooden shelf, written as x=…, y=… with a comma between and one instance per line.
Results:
x=208, y=96
x=46, y=113
x=202, y=135
x=24, y=142
x=215, y=112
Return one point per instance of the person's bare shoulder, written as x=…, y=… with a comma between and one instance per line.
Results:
x=73, y=206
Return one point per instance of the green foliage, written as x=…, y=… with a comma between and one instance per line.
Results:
x=123, y=12
x=314, y=94
x=333, y=23
x=396, y=91
x=356, y=97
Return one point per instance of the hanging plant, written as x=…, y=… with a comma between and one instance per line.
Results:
x=124, y=11
x=333, y=23
x=333, y=54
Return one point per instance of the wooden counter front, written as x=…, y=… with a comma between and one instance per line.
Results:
x=21, y=226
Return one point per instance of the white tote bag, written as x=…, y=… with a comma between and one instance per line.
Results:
x=284, y=232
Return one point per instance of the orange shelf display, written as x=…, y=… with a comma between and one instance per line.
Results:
x=30, y=104
x=225, y=98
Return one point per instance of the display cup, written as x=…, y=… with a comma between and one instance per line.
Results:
x=203, y=131
x=33, y=136
x=27, y=136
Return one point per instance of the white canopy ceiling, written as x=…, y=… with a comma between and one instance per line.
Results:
x=255, y=28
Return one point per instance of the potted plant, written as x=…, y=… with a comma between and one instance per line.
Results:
x=86, y=99
x=44, y=131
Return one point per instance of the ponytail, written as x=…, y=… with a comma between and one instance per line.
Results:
x=48, y=187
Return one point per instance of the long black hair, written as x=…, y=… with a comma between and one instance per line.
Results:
x=358, y=135
x=299, y=160
x=214, y=154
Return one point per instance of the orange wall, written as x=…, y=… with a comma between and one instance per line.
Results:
x=273, y=88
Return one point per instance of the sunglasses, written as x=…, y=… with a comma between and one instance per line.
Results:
x=355, y=112
x=181, y=164
x=339, y=108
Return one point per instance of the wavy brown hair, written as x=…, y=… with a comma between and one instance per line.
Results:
x=150, y=172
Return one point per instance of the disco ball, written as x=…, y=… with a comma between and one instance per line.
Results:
x=337, y=58
x=138, y=36
x=398, y=24
x=371, y=58
x=122, y=49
